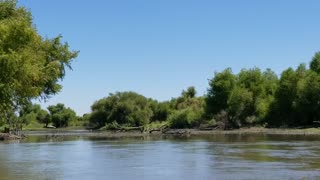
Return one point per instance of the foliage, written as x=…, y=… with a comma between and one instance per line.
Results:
x=244, y=97
x=297, y=98
x=61, y=116
x=189, y=93
x=44, y=117
x=123, y=108
x=219, y=91
x=187, y=110
x=254, y=97
x=30, y=65
x=185, y=118
x=315, y=63
x=161, y=110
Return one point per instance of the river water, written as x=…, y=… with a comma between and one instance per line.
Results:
x=211, y=157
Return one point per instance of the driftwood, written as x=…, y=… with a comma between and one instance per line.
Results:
x=161, y=129
x=184, y=132
x=126, y=129
x=209, y=128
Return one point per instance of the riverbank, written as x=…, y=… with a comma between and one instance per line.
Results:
x=53, y=133
x=175, y=132
x=7, y=136
x=259, y=130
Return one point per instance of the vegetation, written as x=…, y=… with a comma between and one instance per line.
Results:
x=127, y=108
x=250, y=98
x=30, y=65
x=253, y=97
x=61, y=116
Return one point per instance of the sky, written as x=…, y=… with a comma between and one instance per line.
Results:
x=157, y=48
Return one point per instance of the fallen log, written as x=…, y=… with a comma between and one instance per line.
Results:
x=161, y=129
x=126, y=129
x=177, y=132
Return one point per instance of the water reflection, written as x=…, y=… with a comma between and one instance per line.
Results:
x=212, y=157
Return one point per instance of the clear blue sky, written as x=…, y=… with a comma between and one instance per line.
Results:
x=160, y=47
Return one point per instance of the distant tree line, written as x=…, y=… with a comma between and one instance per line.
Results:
x=57, y=115
x=250, y=98
x=31, y=67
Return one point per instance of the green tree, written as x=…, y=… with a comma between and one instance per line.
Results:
x=239, y=106
x=124, y=108
x=161, y=110
x=28, y=112
x=44, y=117
x=189, y=93
x=282, y=110
x=219, y=91
x=30, y=65
x=244, y=98
x=61, y=116
x=307, y=107
x=187, y=111
x=315, y=63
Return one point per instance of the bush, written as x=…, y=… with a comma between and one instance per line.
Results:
x=186, y=118
x=124, y=108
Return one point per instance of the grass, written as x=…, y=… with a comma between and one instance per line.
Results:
x=36, y=126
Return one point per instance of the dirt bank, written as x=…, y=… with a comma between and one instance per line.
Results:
x=7, y=136
x=175, y=132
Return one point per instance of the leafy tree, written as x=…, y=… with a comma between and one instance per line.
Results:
x=33, y=112
x=61, y=116
x=189, y=93
x=124, y=108
x=219, y=91
x=44, y=117
x=244, y=98
x=262, y=86
x=296, y=101
x=187, y=110
x=283, y=107
x=161, y=110
x=315, y=63
x=30, y=65
x=239, y=105
x=252, y=80
x=185, y=118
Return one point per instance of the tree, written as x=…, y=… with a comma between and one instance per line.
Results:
x=244, y=98
x=187, y=110
x=31, y=113
x=28, y=112
x=30, y=65
x=189, y=93
x=161, y=110
x=239, y=105
x=219, y=91
x=61, y=116
x=44, y=117
x=124, y=108
x=315, y=63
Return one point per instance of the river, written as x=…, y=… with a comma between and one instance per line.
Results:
x=211, y=157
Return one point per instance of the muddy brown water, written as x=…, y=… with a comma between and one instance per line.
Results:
x=207, y=157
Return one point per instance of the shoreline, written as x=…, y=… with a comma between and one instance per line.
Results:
x=8, y=136
x=176, y=132
x=172, y=132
